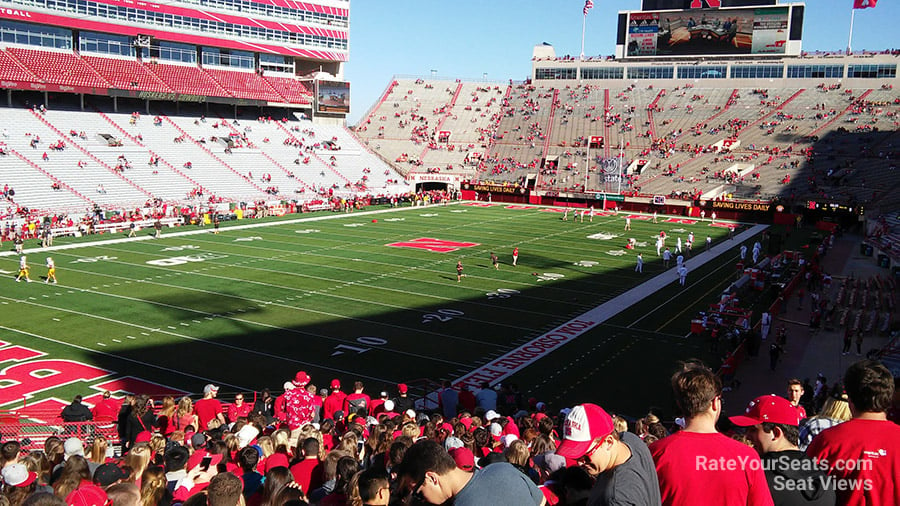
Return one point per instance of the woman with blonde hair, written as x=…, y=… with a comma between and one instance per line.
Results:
x=138, y=458
x=97, y=456
x=165, y=417
x=153, y=487
x=836, y=410
x=157, y=449
x=184, y=415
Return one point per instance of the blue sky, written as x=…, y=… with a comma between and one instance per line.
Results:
x=466, y=39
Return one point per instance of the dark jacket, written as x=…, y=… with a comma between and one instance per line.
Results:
x=795, y=479
x=76, y=412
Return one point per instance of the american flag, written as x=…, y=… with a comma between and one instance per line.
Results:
x=588, y=5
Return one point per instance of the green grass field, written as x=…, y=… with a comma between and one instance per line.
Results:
x=248, y=307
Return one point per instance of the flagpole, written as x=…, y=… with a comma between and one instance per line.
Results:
x=583, y=23
x=849, y=40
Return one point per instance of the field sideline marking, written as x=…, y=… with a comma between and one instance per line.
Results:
x=527, y=354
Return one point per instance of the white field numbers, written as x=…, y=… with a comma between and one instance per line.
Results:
x=90, y=260
x=502, y=293
x=441, y=315
x=367, y=341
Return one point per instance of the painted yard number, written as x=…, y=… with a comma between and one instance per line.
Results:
x=90, y=260
x=365, y=340
x=502, y=293
x=441, y=315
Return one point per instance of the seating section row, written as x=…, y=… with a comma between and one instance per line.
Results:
x=750, y=143
x=99, y=72
x=59, y=160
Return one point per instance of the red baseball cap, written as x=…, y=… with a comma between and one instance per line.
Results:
x=464, y=458
x=88, y=495
x=768, y=408
x=335, y=383
x=402, y=388
x=197, y=457
x=584, y=424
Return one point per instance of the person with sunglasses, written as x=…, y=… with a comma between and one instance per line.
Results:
x=430, y=475
x=620, y=463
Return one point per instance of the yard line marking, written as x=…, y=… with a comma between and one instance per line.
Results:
x=117, y=340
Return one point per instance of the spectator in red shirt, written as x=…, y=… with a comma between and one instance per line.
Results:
x=795, y=392
x=863, y=453
x=375, y=407
x=466, y=399
x=308, y=470
x=698, y=465
x=107, y=410
x=209, y=408
x=334, y=401
x=238, y=409
x=357, y=400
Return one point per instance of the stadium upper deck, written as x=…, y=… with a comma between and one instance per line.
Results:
x=229, y=51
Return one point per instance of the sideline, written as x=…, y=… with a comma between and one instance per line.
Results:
x=207, y=230
x=527, y=354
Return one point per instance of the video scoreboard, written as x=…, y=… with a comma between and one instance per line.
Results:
x=692, y=28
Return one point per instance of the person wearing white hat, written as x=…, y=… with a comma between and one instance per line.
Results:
x=18, y=482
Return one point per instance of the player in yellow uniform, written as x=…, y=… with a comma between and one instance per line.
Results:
x=23, y=270
x=51, y=271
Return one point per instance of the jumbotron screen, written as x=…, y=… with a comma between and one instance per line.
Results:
x=333, y=96
x=697, y=32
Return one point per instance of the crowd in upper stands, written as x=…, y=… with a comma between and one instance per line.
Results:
x=478, y=446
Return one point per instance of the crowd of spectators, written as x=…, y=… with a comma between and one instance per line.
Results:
x=480, y=446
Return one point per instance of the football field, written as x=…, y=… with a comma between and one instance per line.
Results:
x=372, y=296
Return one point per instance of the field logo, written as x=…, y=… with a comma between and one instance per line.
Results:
x=603, y=236
x=549, y=276
x=586, y=263
x=617, y=252
x=170, y=262
x=431, y=244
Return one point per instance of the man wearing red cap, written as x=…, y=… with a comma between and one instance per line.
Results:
x=403, y=402
x=335, y=400
x=300, y=406
x=621, y=463
x=698, y=465
x=863, y=454
x=773, y=428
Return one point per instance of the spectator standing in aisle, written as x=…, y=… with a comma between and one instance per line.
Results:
x=687, y=461
x=864, y=453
